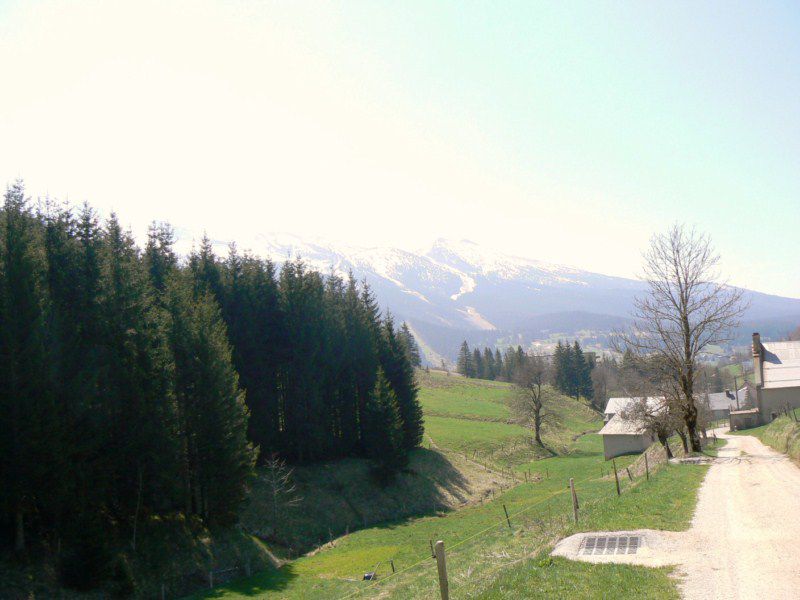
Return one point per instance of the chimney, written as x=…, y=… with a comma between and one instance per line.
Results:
x=756, y=344
x=758, y=352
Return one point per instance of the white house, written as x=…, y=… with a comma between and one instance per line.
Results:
x=776, y=377
x=720, y=404
x=625, y=436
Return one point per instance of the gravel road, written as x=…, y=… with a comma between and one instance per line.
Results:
x=746, y=529
x=744, y=540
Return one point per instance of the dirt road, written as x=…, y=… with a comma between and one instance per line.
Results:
x=744, y=541
x=746, y=530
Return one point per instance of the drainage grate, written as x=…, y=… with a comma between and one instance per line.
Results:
x=610, y=544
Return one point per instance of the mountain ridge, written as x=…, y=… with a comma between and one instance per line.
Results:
x=457, y=289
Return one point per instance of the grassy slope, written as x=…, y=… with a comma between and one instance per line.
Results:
x=485, y=557
x=783, y=434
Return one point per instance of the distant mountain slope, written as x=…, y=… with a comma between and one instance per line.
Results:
x=458, y=290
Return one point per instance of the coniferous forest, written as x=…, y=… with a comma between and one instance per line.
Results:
x=570, y=370
x=135, y=384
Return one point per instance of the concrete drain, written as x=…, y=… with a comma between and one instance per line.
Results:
x=610, y=544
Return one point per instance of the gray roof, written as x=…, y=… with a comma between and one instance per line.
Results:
x=615, y=406
x=619, y=426
x=781, y=364
x=720, y=400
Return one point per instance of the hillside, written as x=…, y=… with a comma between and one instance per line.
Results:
x=456, y=289
x=466, y=419
x=475, y=465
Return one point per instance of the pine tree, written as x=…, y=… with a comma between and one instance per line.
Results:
x=499, y=367
x=400, y=374
x=134, y=383
x=383, y=439
x=477, y=364
x=509, y=364
x=464, y=364
x=25, y=396
x=160, y=259
x=562, y=362
x=488, y=364
x=581, y=373
x=212, y=417
x=411, y=344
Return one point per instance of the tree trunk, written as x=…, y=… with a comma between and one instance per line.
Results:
x=19, y=530
x=684, y=441
x=537, y=426
x=665, y=442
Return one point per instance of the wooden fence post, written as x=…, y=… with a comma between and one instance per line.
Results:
x=574, y=499
x=646, y=467
x=433, y=554
x=629, y=473
x=507, y=519
x=616, y=477
x=441, y=565
x=391, y=562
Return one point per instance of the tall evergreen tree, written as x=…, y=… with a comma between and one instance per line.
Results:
x=499, y=367
x=488, y=364
x=400, y=374
x=411, y=344
x=26, y=405
x=212, y=417
x=464, y=365
x=477, y=363
x=383, y=439
x=134, y=383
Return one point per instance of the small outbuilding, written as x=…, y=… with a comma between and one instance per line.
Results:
x=623, y=436
x=721, y=404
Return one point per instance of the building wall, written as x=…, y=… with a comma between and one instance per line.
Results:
x=617, y=445
x=744, y=421
x=720, y=413
x=774, y=400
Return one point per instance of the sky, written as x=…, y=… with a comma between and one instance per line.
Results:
x=568, y=132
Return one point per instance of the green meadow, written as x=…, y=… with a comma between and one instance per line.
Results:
x=490, y=556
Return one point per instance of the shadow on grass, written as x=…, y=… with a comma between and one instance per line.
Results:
x=271, y=580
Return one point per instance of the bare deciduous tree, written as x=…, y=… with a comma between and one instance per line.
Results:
x=282, y=490
x=685, y=310
x=529, y=403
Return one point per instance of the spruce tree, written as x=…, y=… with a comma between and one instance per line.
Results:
x=499, y=368
x=217, y=459
x=488, y=364
x=464, y=365
x=399, y=372
x=26, y=407
x=134, y=383
x=411, y=344
x=477, y=364
x=383, y=439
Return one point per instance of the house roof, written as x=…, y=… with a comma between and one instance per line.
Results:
x=615, y=406
x=619, y=426
x=748, y=411
x=781, y=364
x=721, y=401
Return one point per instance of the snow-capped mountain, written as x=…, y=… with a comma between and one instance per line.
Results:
x=455, y=290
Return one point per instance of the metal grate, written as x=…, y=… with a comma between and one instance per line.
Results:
x=610, y=544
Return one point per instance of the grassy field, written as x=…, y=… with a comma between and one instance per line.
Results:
x=472, y=417
x=487, y=558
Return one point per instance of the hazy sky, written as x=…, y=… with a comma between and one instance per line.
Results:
x=563, y=131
